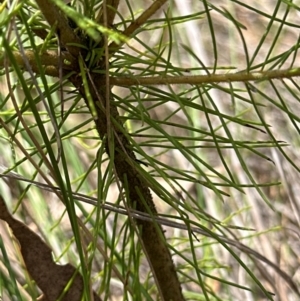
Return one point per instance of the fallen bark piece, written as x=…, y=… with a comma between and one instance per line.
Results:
x=51, y=278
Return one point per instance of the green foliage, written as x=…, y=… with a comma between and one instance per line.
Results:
x=220, y=157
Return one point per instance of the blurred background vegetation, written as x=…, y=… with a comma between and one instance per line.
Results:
x=221, y=158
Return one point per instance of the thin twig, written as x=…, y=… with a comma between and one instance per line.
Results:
x=112, y=6
x=202, y=79
x=137, y=23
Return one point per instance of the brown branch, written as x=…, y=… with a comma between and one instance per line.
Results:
x=40, y=32
x=139, y=196
x=49, y=59
x=55, y=17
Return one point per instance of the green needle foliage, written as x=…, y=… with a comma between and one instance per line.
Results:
x=153, y=145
